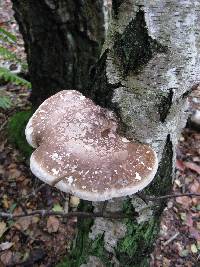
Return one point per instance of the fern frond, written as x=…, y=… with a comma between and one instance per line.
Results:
x=5, y=102
x=7, y=55
x=8, y=76
x=7, y=36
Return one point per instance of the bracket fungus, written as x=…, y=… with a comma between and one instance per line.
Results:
x=78, y=140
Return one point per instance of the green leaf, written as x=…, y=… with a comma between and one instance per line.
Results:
x=8, y=76
x=198, y=245
x=198, y=207
x=12, y=208
x=5, y=102
x=5, y=35
x=194, y=248
x=10, y=223
x=57, y=207
x=184, y=253
x=3, y=228
x=183, y=216
x=7, y=55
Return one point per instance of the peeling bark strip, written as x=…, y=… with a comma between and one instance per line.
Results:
x=62, y=41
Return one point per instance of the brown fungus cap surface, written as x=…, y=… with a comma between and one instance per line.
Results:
x=77, y=139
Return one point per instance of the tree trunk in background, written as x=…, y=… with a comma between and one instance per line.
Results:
x=62, y=39
x=148, y=64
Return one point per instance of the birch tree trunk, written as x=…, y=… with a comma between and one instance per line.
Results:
x=62, y=39
x=149, y=63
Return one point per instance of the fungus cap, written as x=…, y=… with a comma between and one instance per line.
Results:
x=77, y=139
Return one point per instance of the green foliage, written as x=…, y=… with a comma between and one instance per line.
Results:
x=138, y=237
x=6, y=54
x=8, y=76
x=65, y=263
x=5, y=74
x=7, y=36
x=16, y=135
x=5, y=102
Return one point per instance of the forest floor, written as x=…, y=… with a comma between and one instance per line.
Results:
x=42, y=242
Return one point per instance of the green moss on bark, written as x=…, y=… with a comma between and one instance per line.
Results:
x=16, y=132
x=138, y=242
x=83, y=246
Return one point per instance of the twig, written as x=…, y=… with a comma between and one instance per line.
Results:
x=171, y=239
x=143, y=197
x=45, y=213
x=103, y=208
x=57, y=180
x=22, y=206
x=173, y=196
x=3, y=125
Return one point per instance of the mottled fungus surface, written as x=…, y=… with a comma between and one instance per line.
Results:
x=77, y=139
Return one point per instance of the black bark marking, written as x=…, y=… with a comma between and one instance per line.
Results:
x=115, y=6
x=165, y=106
x=162, y=183
x=135, y=47
x=101, y=91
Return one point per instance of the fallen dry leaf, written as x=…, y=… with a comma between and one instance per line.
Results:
x=166, y=262
x=3, y=228
x=194, y=248
x=194, y=233
x=6, y=257
x=74, y=201
x=5, y=202
x=195, y=187
x=189, y=220
x=184, y=201
x=192, y=166
x=180, y=165
x=52, y=224
x=13, y=174
x=23, y=223
x=6, y=245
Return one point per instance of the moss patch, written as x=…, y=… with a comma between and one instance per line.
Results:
x=16, y=135
x=133, y=249
x=85, y=247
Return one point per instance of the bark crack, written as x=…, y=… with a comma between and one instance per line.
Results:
x=165, y=106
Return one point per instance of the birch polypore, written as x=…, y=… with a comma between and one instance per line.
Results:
x=77, y=139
